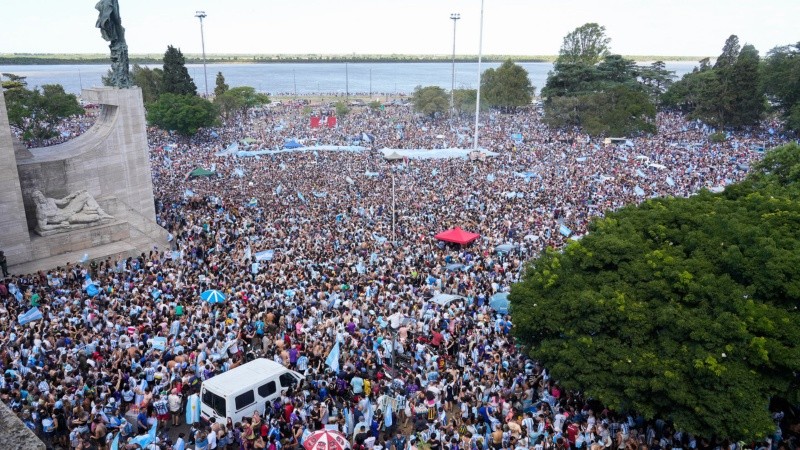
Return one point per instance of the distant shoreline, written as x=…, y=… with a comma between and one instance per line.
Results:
x=28, y=59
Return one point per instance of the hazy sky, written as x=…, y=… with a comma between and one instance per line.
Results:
x=518, y=27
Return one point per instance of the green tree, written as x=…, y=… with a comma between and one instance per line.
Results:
x=430, y=100
x=176, y=79
x=507, y=87
x=149, y=80
x=13, y=82
x=182, y=113
x=730, y=53
x=107, y=79
x=748, y=102
x=727, y=95
x=341, y=108
x=37, y=113
x=781, y=82
x=679, y=308
x=586, y=45
x=608, y=98
x=239, y=100
x=619, y=111
x=656, y=79
x=221, y=87
x=464, y=101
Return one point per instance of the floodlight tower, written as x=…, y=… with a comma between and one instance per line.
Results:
x=454, y=17
x=202, y=15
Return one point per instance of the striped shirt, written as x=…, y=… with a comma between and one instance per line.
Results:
x=160, y=406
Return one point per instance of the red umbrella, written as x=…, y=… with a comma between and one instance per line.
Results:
x=325, y=440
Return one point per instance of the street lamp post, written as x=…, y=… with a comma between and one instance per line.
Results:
x=202, y=15
x=478, y=99
x=394, y=241
x=454, y=17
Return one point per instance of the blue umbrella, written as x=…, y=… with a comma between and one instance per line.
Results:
x=213, y=296
x=499, y=302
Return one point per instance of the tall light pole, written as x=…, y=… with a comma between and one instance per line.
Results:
x=478, y=99
x=394, y=240
x=454, y=17
x=202, y=15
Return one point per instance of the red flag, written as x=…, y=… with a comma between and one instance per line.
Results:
x=331, y=121
x=314, y=122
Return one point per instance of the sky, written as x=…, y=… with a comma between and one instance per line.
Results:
x=510, y=27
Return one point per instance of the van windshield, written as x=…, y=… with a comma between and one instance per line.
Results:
x=214, y=402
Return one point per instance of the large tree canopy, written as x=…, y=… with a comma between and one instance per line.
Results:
x=680, y=308
x=430, y=100
x=727, y=95
x=781, y=81
x=604, y=94
x=507, y=87
x=176, y=79
x=239, y=99
x=38, y=112
x=182, y=113
x=586, y=44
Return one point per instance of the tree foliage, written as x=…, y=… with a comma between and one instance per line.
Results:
x=37, y=112
x=14, y=81
x=506, y=87
x=176, y=79
x=182, y=113
x=679, y=308
x=656, y=79
x=464, y=101
x=585, y=45
x=607, y=98
x=149, y=80
x=221, y=87
x=430, y=100
x=239, y=100
x=341, y=108
x=729, y=94
x=781, y=82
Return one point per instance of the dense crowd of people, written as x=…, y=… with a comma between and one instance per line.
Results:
x=314, y=248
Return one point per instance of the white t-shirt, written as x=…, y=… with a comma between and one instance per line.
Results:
x=212, y=440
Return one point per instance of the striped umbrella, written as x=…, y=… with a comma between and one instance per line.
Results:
x=325, y=440
x=213, y=296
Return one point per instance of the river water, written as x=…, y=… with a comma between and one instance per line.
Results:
x=307, y=78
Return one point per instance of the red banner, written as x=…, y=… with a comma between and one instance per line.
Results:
x=314, y=122
x=331, y=121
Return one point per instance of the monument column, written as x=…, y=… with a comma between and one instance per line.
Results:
x=15, y=239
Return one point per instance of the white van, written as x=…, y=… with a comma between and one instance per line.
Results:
x=240, y=391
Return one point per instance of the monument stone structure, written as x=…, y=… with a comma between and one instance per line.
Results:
x=92, y=195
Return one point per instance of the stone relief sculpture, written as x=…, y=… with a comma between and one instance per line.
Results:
x=111, y=29
x=78, y=208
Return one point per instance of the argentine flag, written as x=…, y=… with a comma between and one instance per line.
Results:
x=32, y=315
x=333, y=358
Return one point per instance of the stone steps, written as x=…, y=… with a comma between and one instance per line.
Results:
x=113, y=250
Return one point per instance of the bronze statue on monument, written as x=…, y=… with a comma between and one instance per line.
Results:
x=110, y=25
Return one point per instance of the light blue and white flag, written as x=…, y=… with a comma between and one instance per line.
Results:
x=31, y=315
x=387, y=416
x=332, y=360
x=265, y=255
x=564, y=230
